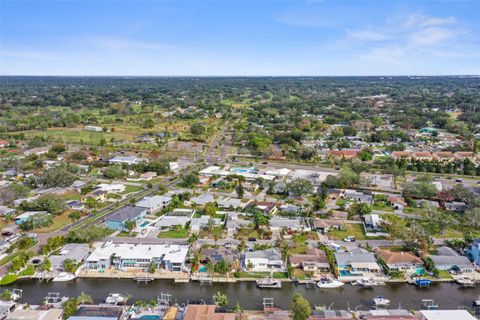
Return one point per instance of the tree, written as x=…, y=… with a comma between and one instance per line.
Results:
x=114, y=172
x=84, y=298
x=210, y=209
x=69, y=265
x=130, y=225
x=359, y=208
x=46, y=265
x=239, y=189
x=197, y=129
x=473, y=216
x=148, y=123
x=259, y=219
x=220, y=299
x=301, y=308
x=365, y=154
x=216, y=233
x=299, y=187
x=70, y=307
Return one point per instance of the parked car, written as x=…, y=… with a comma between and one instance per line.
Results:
x=227, y=245
x=349, y=239
x=458, y=180
x=7, y=234
x=252, y=239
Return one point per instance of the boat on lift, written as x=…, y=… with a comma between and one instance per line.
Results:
x=368, y=283
x=54, y=299
x=16, y=295
x=465, y=282
x=269, y=283
x=429, y=304
x=476, y=302
x=63, y=277
x=327, y=283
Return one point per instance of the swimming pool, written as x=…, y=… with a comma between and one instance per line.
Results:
x=243, y=170
x=145, y=223
x=149, y=317
x=202, y=269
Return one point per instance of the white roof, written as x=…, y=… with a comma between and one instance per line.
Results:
x=217, y=171
x=153, y=202
x=172, y=253
x=446, y=315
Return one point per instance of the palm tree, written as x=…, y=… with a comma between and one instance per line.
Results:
x=216, y=232
x=84, y=298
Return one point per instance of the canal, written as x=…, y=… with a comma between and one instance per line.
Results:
x=446, y=295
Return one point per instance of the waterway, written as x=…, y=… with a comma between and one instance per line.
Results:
x=446, y=295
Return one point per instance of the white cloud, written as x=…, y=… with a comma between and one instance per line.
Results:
x=366, y=35
x=432, y=36
x=422, y=21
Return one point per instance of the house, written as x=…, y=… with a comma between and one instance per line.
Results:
x=96, y=195
x=403, y=261
x=154, y=204
x=330, y=315
x=6, y=307
x=325, y=225
x=202, y=199
x=269, y=260
x=36, y=314
x=38, y=151
x=233, y=203
x=127, y=256
x=397, y=202
x=385, y=314
x=291, y=209
x=148, y=175
x=76, y=205
x=373, y=225
x=118, y=219
x=77, y=252
x=206, y=312
x=216, y=255
x=444, y=315
x=343, y=154
x=286, y=223
x=456, y=206
x=4, y=143
x=32, y=215
x=358, y=196
x=128, y=160
x=234, y=223
x=174, y=166
x=6, y=211
x=93, y=128
x=198, y=224
x=267, y=208
x=474, y=251
x=111, y=187
x=178, y=217
x=448, y=259
x=357, y=263
x=99, y=312
x=77, y=185
x=423, y=203
x=314, y=260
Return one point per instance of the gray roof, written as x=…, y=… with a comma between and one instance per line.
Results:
x=73, y=251
x=203, y=199
x=278, y=222
x=459, y=261
x=153, y=202
x=271, y=254
x=346, y=258
x=126, y=213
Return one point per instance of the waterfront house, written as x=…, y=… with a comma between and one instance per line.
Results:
x=357, y=263
x=99, y=312
x=36, y=314
x=314, y=260
x=448, y=259
x=154, y=204
x=77, y=252
x=219, y=254
x=385, y=314
x=127, y=256
x=444, y=315
x=118, y=219
x=403, y=261
x=6, y=307
x=206, y=312
x=269, y=260
x=330, y=315
x=473, y=251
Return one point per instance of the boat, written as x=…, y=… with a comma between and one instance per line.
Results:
x=381, y=301
x=329, y=283
x=269, y=283
x=465, y=282
x=54, y=299
x=429, y=304
x=116, y=299
x=16, y=294
x=476, y=302
x=63, y=277
x=368, y=283
x=423, y=283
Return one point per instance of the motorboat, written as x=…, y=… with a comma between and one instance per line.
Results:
x=16, y=295
x=423, y=283
x=429, y=304
x=116, y=299
x=368, y=283
x=465, y=282
x=269, y=283
x=329, y=283
x=54, y=299
x=381, y=301
x=63, y=277
x=476, y=302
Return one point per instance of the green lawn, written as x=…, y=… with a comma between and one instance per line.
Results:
x=442, y=274
x=259, y=275
x=174, y=234
x=350, y=229
x=131, y=189
x=126, y=234
x=58, y=222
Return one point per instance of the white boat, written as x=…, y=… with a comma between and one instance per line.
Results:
x=64, y=276
x=115, y=299
x=329, y=283
x=465, y=282
x=269, y=283
x=368, y=283
x=476, y=302
x=16, y=295
x=54, y=299
x=381, y=301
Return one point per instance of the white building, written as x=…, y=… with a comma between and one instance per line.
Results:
x=127, y=256
x=445, y=315
x=197, y=224
x=113, y=187
x=93, y=128
x=130, y=160
x=269, y=260
x=154, y=204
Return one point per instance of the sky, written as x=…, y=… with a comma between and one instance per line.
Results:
x=240, y=37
